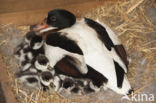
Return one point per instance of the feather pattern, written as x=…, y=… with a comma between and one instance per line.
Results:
x=100, y=54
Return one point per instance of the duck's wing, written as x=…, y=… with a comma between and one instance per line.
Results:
x=122, y=53
x=108, y=37
x=117, y=44
x=59, y=46
x=68, y=66
x=111, y=41
x=61, y=41
x=102, y=33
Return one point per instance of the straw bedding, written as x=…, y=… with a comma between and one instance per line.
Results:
x=134, y=21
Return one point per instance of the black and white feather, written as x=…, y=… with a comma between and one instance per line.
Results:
x=41, y=63
x=29, y=79
x=88, y=42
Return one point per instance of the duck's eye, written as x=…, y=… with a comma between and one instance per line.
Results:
x=53, y=18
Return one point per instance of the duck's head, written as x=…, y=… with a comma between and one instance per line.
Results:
x=57, y=19
x=41, y=62
x=46, y=78
x=36, y=42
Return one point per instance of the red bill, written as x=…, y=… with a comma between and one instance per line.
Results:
x=42, y=27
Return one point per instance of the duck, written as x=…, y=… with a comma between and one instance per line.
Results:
x=64, y=83
x=41, y=63
x=30, y=79
x=87, y=42
x=19, y=49
x=28, y=50
x=63, y=67
x=76, y=86
x=50, y=79
x=72, y=86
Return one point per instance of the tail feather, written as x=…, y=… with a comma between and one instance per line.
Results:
x=120, y=74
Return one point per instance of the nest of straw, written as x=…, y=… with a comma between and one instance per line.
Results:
x=134, y=28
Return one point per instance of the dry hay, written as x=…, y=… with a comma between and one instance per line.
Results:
x=134, y=28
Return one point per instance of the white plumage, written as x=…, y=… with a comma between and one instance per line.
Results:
x=96, y=54
x=55, y=54
x=86, y=44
